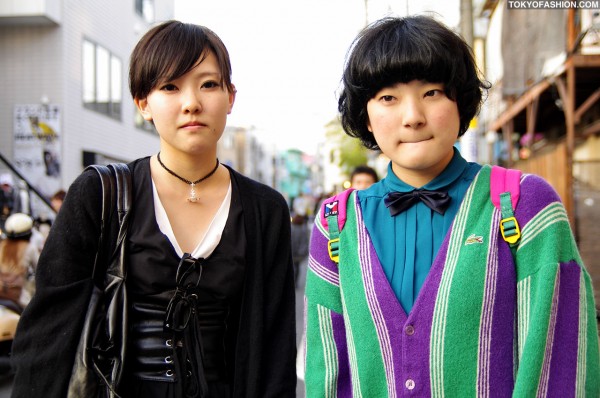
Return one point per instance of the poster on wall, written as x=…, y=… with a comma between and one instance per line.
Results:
x=37, y=153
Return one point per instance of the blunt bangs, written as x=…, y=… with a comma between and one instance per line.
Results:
x=400, y=50
x=170, y=50
x=401, y=56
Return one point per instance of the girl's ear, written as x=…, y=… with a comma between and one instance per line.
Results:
x=231, y=98
x=142, y=105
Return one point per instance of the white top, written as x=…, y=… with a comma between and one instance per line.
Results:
x=213, y=234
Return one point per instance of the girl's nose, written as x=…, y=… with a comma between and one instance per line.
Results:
x=191, y=102
x=412, y=114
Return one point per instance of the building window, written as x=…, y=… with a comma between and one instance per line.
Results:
x=145, y=9
x=102, y=80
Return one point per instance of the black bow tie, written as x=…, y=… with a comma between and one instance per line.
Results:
x=397, y=202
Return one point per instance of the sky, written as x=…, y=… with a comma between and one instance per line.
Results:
x=288, y=56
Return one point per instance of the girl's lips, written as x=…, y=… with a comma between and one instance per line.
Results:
x=193, y=124
x=415, y=141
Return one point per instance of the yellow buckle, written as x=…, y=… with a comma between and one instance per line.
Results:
x=335, y=257
x=511, y=232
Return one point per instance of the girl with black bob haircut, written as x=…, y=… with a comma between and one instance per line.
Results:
x=209, y=275
x=411, y=288
x=396, y=50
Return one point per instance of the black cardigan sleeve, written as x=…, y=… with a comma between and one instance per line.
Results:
x=49, y=329
x=266, y=349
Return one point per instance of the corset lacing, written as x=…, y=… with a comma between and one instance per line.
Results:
x=182, y=320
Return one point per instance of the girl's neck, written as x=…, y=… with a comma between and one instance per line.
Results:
x=420, y=177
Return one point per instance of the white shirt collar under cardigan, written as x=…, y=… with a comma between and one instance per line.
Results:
x=213, y=234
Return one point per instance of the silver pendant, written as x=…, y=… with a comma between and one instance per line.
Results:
x=193, y=198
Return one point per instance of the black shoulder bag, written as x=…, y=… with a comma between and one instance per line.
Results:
x=98, y=365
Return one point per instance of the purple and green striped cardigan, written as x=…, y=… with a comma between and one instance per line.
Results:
x=480, y=327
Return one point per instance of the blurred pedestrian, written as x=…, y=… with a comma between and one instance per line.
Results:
x=363, y=177
x=210, y=306
x=424, y=297
x=18, y=260
x=23, y=198
x=57, y=199
x=303, y=205
x=8, y=197
x=299, y=243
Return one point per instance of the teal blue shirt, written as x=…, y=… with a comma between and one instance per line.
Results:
x=416, y=233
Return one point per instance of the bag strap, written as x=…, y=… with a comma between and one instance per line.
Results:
x=124, y=196
x=505, y=188
x=333, y=215
x=116, y=191
x=108, y=203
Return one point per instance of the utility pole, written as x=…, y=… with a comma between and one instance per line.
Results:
x=466, y=21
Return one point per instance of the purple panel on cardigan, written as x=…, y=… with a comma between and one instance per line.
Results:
x=501, y=349
x=344, y=382
x=536, y=194
x=387, y=313
x=393, y=315
x=385, y=295
x=327, y=270
x=564, y=350
x=416, y=356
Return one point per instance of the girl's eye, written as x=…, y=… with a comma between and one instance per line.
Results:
x=168, y=87
x=435, y=92
x=210, y=84
x=387, y=98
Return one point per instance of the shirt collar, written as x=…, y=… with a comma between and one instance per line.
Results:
x=450, y=174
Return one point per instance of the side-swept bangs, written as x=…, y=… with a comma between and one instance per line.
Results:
x=169, y=50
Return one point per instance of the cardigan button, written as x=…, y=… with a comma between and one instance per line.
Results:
x=410, y=384
x=409, y=330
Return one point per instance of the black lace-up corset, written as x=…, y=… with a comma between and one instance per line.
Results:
x=209, y=309
x=157, y=347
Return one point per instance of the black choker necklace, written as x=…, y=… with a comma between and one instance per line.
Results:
x=193, y=198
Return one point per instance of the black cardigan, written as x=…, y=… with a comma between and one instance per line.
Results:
x=49, y=329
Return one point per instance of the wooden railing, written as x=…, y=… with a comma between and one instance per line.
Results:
x=551, y=164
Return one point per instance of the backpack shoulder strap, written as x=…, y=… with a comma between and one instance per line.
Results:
x=505, y=189
x=333, y=215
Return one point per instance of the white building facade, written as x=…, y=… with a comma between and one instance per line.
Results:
x=63, y=73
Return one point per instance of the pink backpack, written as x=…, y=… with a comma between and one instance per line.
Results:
x=505, y=188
